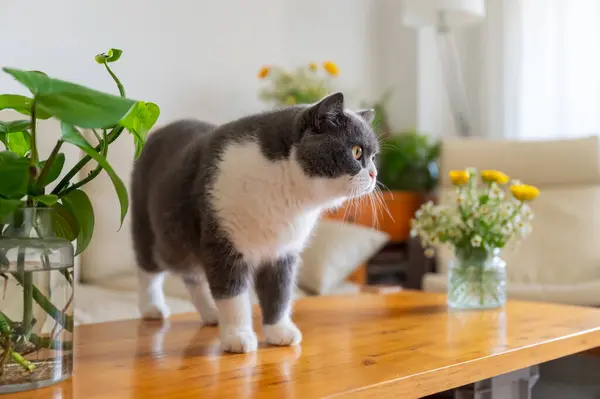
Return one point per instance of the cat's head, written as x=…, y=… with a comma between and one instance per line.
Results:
x=338, y=145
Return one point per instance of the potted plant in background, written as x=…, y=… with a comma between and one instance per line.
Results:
x=483, y=221
x=38, y=224
x=407, y=168
x=303, y=85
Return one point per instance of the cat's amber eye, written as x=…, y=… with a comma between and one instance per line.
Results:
x=357, y=152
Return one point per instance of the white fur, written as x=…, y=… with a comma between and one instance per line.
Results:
x=269, y=208
x=284, y=332
x=151, y=298
x=202, y=298
x=235, y=324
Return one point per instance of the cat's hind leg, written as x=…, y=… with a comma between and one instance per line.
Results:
x=197, y=285
x=151, y=300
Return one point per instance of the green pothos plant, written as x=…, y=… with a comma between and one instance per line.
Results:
x=25, y=178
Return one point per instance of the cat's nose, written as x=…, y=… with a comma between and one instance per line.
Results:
x=373, y=174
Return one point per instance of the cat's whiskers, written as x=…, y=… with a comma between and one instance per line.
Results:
x=383, y=203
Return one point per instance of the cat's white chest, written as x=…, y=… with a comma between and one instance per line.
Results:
x=260, y=205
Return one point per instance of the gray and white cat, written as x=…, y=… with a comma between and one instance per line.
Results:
x=233, y=205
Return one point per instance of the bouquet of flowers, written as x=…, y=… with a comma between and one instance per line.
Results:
x=490, y=211
x=304, y=85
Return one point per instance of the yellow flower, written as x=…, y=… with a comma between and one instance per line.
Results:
x=459, y=177
x=312, y=66
x=524, y=192
x=264, y=71
x=494, y=176
x=290, y=100
x=331, y=68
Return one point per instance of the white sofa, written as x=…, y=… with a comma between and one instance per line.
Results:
x=560, y=261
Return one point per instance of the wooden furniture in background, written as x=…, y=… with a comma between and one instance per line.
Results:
x=405, y=345
x=392, y=263
x=402, y=206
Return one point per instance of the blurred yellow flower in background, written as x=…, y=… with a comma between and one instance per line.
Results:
x=313, y=66
x=331, y=68
x=524, y=192
x=290, y=100
x=494, y=176
x=459, y=177
x=264, y=71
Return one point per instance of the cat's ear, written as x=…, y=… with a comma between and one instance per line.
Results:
x=329, y=109
x=367, y=114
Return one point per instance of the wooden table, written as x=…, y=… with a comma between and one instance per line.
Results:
x=402, y=345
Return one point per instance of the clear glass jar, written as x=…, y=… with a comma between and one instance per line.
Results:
x=476, y=279
x=36, y=301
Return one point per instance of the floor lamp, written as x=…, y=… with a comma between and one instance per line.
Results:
x=445, y=16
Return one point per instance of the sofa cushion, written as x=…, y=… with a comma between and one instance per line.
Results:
x=539, y=162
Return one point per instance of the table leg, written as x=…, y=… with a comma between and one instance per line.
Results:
x=515, y=385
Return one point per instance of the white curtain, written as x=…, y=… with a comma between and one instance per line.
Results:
x=540, y=69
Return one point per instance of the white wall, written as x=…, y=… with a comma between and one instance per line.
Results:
x=199, y=59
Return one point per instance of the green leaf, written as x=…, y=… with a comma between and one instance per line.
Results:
x=21, y=104
x=139, y=121
x=112, y=56
x=47, y=199
x=15, y=175
x=55, y=169
x=64, y=222
x=71, y=103
x=71, y=135
x=78, y=204
x=14, y=126
x=8, y=206
x=19, y=143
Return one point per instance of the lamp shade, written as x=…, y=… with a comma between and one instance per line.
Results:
x=422, y=13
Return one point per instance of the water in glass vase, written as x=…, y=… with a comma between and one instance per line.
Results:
x=476, y=279
x=36, y=302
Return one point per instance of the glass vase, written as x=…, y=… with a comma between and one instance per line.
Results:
x=36, y=301
x=476, y=279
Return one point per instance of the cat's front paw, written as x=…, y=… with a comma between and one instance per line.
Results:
x=282, y=334
x=154, y=311
x=239, y=341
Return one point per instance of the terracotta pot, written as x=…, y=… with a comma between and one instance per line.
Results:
x=401, y=205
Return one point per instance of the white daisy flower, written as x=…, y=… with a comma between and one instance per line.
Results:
x=413, y=233
x=476, y=241
x=506, y=229
x=496, y=192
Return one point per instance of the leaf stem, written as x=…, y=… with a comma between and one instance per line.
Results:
x=117, y=81
x=33, y=144
x=65, y=320
x=112, y=136
x=48, y=164
x=92, y=175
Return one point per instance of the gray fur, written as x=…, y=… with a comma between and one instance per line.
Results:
x=274, y=283
x=174, y=225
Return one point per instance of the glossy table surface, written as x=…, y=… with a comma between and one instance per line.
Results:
x=401, y=345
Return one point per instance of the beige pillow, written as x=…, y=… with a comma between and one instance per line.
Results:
x=334, y=252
